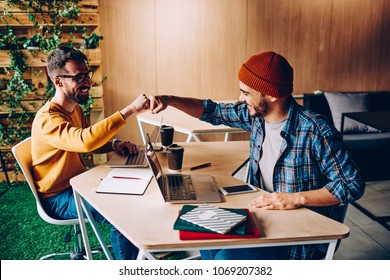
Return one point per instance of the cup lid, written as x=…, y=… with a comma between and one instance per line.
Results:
x=175, y=147
x=166, y=126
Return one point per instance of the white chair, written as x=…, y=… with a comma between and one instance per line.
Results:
x=22, y=154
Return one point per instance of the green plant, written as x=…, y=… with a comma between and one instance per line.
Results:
x=17, y=88
x=32, y=43
x=92, y=42
x=46, y=18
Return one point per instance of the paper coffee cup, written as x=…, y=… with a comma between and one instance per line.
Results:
x=175, y=157
x=166, y=134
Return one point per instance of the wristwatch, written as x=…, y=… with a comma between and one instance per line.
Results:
x=113, y=143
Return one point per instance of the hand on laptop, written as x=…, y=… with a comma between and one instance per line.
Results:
x=126, y=147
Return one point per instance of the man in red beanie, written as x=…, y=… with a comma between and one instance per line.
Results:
x=295, y=155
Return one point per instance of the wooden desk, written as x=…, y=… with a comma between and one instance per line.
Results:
x=183, y=123
x=147, y=220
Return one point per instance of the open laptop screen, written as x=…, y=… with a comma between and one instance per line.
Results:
x=152, y=160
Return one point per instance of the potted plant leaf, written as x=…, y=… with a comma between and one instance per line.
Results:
x=92, y=42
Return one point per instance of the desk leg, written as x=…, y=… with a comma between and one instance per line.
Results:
x=189, y=138
x=141, y=255
x=83, y=228
x=95, y=230
x=80, y=206
x=331, y=249
x=193, y=136
x=145, y=255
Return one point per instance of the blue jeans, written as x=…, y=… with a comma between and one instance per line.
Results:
x=62, y=206
x=261, y=253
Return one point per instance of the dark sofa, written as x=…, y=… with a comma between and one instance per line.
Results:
x=369, y=148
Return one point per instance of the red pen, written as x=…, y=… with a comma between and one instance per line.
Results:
x=123, y=177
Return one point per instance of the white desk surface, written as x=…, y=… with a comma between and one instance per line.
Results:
x=147, y=220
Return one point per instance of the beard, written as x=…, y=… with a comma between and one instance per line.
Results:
x=78, y=96
x=261, y=110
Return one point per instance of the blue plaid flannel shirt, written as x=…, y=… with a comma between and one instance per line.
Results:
x=312, y=156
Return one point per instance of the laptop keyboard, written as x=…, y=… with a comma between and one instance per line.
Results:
x=181, y=188
x=138, y=159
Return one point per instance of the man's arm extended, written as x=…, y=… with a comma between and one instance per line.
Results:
x=191, y=106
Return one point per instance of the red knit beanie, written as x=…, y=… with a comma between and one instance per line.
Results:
x=268, y=73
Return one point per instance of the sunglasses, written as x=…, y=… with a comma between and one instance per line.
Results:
x=79, y=78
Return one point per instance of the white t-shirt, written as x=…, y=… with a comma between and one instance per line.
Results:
x=270, y=153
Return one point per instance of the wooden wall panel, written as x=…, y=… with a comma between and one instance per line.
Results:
x=335, y=45
x=203, y=43
x=195, y=47
x=200, y=46
x=128, y=51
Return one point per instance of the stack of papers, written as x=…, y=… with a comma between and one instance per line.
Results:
x=125, y=181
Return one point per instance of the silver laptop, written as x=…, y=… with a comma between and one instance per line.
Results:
x=181, y=188
x=129, y=161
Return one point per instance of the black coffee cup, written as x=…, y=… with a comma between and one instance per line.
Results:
x=175, y=157
x=166, y=134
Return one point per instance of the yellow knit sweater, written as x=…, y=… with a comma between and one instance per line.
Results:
x=57, y=140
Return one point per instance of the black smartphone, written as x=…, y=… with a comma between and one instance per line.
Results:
x=230, y=190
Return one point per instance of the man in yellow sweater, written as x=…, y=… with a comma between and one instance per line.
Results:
x=61, y=133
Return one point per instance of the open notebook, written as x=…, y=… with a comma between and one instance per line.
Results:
x=125, y=181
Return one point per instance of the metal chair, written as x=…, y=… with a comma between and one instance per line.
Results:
x=22, y=154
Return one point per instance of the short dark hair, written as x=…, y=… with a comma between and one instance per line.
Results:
x=57, y=59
